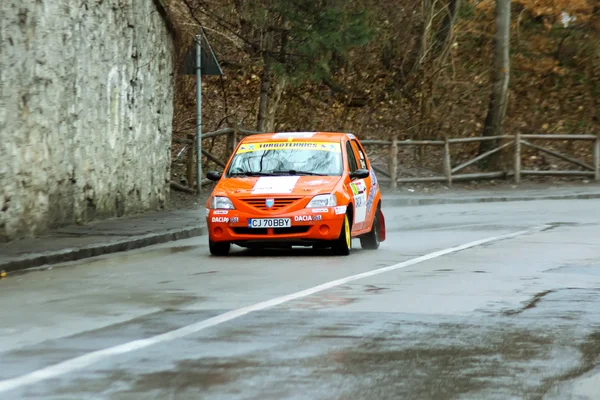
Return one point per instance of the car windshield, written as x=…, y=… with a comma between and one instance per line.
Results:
x=287, y=158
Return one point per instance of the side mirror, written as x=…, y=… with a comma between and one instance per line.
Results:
x=360, y=174
x=213, y=175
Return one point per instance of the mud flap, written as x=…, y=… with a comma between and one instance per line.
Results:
x=381, y=226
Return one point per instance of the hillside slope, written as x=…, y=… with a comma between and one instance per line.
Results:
x=380, y=90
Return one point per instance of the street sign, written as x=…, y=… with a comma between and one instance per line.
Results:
x=210, y=64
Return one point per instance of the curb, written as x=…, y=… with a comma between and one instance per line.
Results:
x=405, y=201
x=75, y=254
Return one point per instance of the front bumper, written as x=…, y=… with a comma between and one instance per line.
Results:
x=308, y=226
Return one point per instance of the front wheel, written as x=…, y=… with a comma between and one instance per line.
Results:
x=343, y=244
x=219, y=248
x=372, y=240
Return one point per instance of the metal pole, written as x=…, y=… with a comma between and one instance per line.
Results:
x=597, y=158
x=517, y=157
x=198, y=115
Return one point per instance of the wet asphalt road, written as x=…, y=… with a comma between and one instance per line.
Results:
x=513, y=318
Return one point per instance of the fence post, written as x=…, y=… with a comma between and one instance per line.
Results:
x=189, y=171
x=447, y=163
x=229, y=144
x=393, y=163
x=517, y=157
x=597, y=157
x=233, y=140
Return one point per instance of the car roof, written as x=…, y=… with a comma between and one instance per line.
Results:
x=303, y=136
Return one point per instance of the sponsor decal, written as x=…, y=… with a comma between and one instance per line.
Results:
x=318, y=218
x=360, y=200
x=220, y=219
x=275, y=184
x=340, y=210
x=323, y=146
x=319, y=210
x=372, y=191
x=316, y=182
x=220, y=212
x=303, y=218
x=358, y=187
x=234, y=220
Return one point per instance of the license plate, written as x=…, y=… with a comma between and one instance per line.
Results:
x=270, y=223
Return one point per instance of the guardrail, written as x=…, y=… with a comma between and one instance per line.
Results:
x=449, y=173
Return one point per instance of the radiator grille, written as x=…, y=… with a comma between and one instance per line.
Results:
x=260, y=203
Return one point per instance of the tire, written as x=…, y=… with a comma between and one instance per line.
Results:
x=219, y=248
x=372, y=240
x=343, y=244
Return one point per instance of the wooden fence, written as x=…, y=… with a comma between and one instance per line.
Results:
x=190, y=153
x=507, y=145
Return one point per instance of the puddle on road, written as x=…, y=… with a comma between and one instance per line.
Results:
x=320, y=302
x=193, y=376
x=530, y=304
x=445, y=366
x=375, y=289
x=204, y=273
x=576, y=269
x=335, y=298
x=181, y=249
x=590, y=352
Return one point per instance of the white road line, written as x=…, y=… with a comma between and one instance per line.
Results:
x=86, y=360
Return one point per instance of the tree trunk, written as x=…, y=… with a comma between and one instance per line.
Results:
x=245, y=26
x=273, y=104
x=263, y=102
x=501, y=73
x=443, y=37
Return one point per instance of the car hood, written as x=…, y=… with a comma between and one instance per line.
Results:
x=278, y=185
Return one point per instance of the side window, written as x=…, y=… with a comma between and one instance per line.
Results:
x=361, y=153
x=351, y=158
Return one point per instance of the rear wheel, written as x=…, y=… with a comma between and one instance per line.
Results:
x=343, y=244
x=219, y=248
x=372, y=239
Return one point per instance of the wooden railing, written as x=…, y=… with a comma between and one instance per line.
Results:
x=507, y=145
x=514, y=143
x=189, y=160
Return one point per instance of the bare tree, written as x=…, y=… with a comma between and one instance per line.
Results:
x=263, y=102
x=443, y=39
x=501, y=73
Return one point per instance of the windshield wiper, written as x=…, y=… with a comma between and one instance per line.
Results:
x=251, y=173
x=296, y=172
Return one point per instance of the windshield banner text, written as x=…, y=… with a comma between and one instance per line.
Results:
x=323, y=146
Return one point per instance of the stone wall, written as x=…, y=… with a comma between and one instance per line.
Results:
x=85, y=111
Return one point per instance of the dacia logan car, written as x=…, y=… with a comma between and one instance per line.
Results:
x=295, y=189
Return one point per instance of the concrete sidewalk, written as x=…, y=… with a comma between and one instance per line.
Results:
x=122, y=234
x=102, y=237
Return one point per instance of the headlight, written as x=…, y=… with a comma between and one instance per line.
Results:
x=221, y=203
x=323, y=200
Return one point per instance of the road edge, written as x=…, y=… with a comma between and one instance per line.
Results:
x=36, y=260
x=425, y=201
x=74, y=254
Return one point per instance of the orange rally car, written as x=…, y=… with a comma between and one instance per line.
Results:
x=296, y=189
